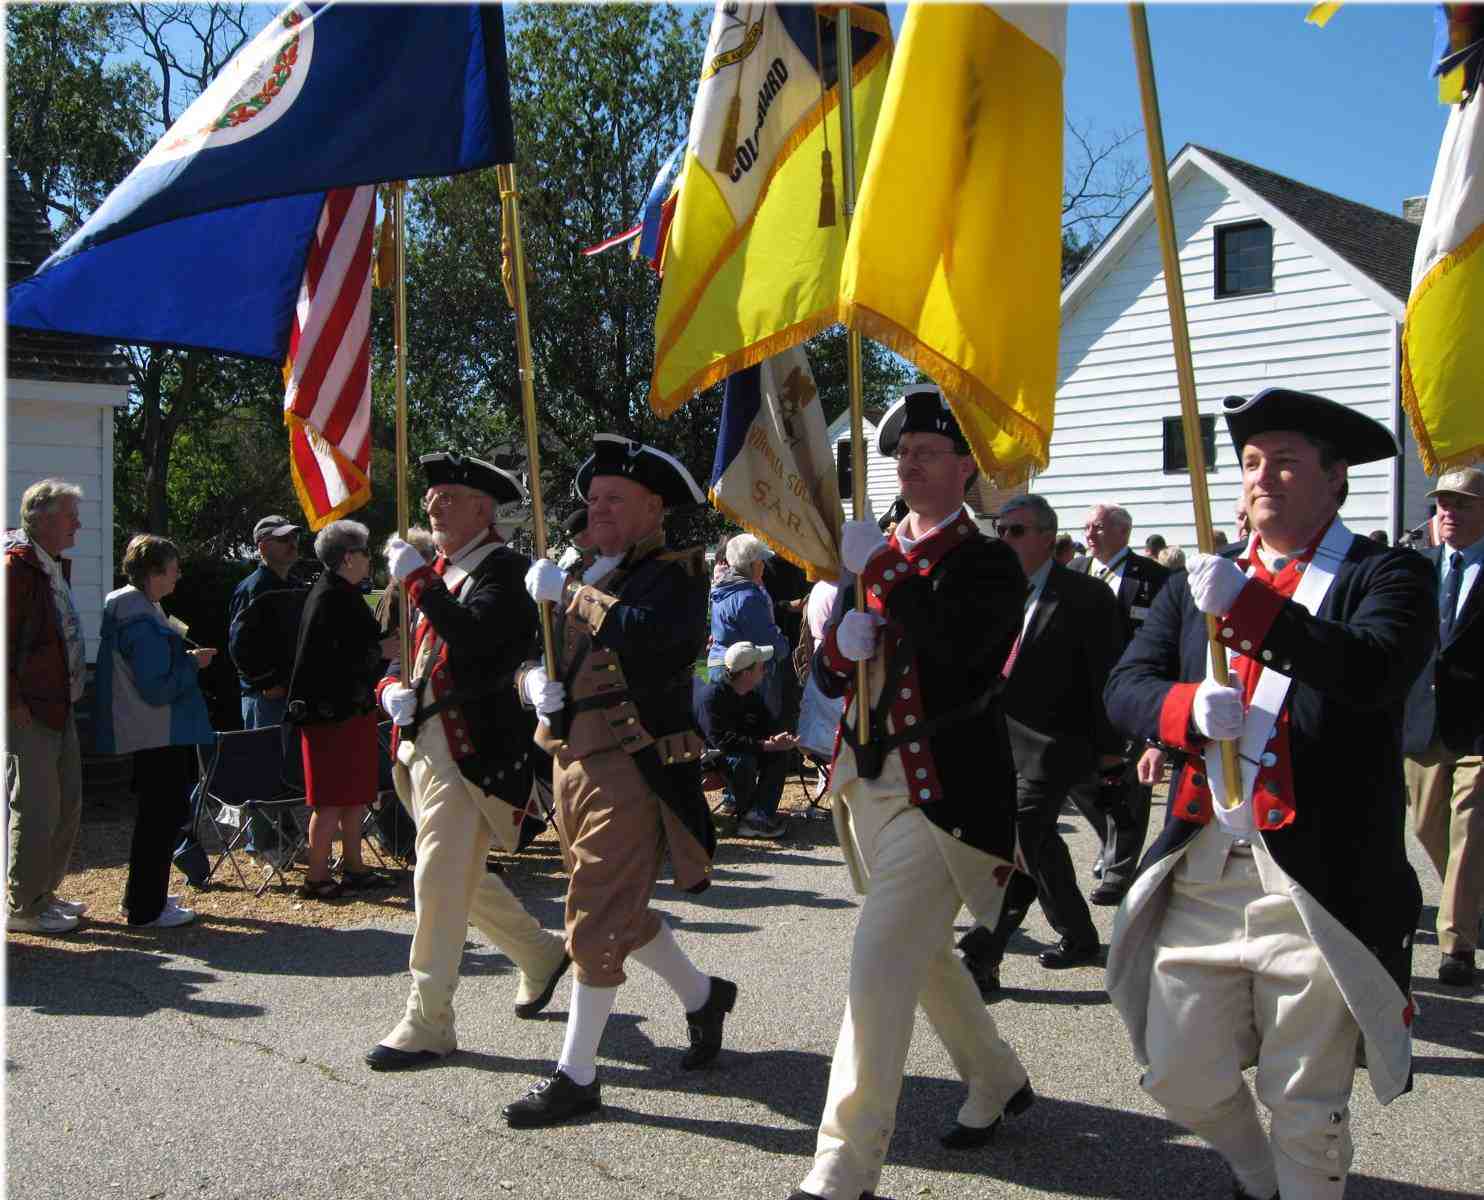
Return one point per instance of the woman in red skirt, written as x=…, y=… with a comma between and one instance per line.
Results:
x=331, y=700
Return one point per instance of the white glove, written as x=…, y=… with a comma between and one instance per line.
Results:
x=398, y=702
x=402, y=558
x=859, y=540
x=544, y=695
x=545, y=581
x=1218, y=711
x=856, y=635
x=1214, y=582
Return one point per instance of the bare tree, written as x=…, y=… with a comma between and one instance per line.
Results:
x=1100, y=182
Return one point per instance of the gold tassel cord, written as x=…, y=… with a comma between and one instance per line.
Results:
x=726, y=155
x=826, y=190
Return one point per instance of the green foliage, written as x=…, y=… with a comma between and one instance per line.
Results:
x=75, y=125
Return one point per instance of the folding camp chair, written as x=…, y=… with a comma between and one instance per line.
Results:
x=246, y=773
x=387, y=830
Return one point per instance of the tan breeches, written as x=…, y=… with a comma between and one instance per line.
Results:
x=613, y=844
x=1447, y=803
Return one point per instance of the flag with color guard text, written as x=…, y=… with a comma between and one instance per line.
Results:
x=752, y=265
x=955, y=253
x=774, y=473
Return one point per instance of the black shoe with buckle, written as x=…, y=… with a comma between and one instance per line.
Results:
x=986, y=977
x=533, y=1008
x=1241, y=1193
x=972, y=1137
x=1108, y=894
x=706, y=1022
x=388, y=1058
x=553, y=1100
x=1068, y=954
x=1457, y=969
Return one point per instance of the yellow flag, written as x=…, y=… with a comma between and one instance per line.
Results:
x=1443, y=340
x=752, y=265
x=1319, y=14
x=955, y=254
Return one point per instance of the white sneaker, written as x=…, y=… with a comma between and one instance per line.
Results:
x=46, y=921
x=69, y=908
x=169, y=918
x=171, y=901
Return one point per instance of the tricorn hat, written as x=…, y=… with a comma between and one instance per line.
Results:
x=921, y=409
x=661, y=473
x=1356, y=438
x=576, y=523
x=449, y=466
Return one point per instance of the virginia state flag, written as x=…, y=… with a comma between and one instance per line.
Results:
x=955, y=253
x=205, y=243
x=1443, y=338
x=774, y=473
x=751, y=267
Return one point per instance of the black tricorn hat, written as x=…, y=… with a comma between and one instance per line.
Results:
x=576, y=523
x=449, y=466
x=661, y=473
x=921, y=409
x=1356, y=438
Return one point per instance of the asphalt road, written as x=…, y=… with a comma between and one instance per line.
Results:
x=143, y=1074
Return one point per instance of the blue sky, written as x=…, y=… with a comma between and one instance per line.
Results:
x=1349, y=108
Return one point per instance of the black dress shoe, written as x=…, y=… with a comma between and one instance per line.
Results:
x=1068, y=954
x=387, y=1058
x=972, y=1137
x=1457, y=970
x=706, y=1022
x=986, y=977
x=1241, y=1193
x=531, y=1007
x=801, y=1194
x=1108, y=894
x=552, y=1100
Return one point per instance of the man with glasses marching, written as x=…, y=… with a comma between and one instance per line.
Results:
x=924, y=804
x=1071, y=635
x=463, y=753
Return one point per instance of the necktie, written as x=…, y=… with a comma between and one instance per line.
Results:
x=1015, y=649
x=1101, y=572
x=1448, y=600
x=440, y=564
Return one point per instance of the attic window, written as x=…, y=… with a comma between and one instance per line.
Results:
x=1176, y=462
x=1244, y=259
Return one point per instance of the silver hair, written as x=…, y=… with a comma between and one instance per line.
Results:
x=745, y=549
x=42, y=497
x=1172, y=557
x=337, y=539
x=1045, y=515
x=418, y=537
x=1116, y=511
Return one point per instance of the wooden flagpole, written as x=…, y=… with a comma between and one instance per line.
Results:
x=399, y=221
x=515, y=262
x=1190, y=417
x=844, y=78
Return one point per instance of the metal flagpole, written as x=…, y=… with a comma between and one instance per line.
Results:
x=1190, y=418
x=399, y=220
x=510, y=215
x=844, y=78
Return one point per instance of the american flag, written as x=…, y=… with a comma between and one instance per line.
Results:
x=327, y=377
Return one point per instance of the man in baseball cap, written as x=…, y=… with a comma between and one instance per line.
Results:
x=754, y=745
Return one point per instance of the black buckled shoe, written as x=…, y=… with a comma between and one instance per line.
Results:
x=1457, y=969
x=706, y=1022
x=1108, y=894
x=553, y=1100
x=532, y=1008
x=1068, y=954
x=971, y=1137
x=1241, y=1193
x=986, y=977
x=388, y=1058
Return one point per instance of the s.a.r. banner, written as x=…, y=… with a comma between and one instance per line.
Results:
x=774, y=472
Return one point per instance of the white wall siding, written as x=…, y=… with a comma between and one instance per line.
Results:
x=66, y=430
x=881, y=472
x=1316, y=331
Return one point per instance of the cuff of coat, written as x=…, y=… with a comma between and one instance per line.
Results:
x=383, y=683
x=520, y=686
x=1174, y=717
x=884, y=570
x=417, y=583
x=829, y=651
x=1251, y=618
x=589, y=605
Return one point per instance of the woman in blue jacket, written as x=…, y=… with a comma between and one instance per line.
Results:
x=148, y=703
x=742, y=611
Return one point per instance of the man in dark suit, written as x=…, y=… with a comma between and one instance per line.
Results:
x=1445, y=727
x=1070, y=638
x=1117, y=806
x=1273, y=926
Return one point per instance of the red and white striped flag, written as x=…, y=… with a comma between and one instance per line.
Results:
x=327, y=377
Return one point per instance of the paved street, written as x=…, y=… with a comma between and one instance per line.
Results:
x=138, y=1073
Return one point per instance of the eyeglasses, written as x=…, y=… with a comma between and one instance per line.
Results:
x=444, y=499
x=1011, y=531
x=359, y=550
x=921, y=455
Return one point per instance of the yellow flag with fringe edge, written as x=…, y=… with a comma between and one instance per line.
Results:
x=1443, y=338
x=752, y=265
x=954, y=259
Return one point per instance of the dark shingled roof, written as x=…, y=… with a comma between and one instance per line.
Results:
x=29, y=353
x=1374, y=242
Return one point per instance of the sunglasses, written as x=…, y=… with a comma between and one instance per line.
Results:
x=1011, y=531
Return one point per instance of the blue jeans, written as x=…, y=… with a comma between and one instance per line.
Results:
x=258, y=712
x=755, y=783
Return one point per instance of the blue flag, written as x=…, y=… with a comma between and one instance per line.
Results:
x=204, y=244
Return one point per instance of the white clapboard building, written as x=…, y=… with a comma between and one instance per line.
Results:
x=60, y=394
x=1284, y=285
